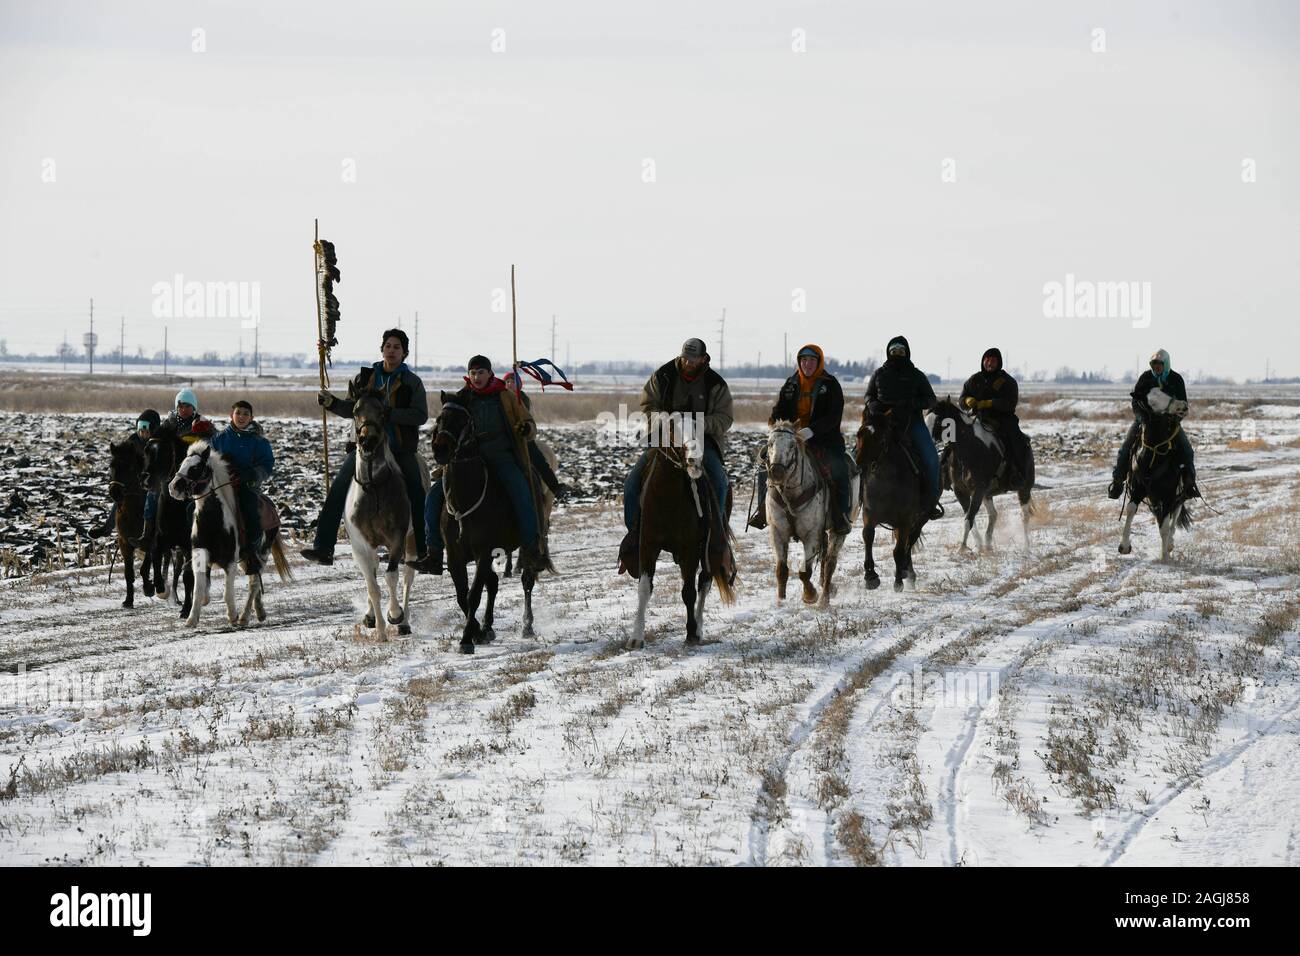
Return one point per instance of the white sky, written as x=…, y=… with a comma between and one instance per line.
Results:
x=775, y=171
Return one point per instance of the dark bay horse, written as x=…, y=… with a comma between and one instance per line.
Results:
x=478, y=524
x=975, y=467
x=891, y=497
x=162, y=456
x=378, y=515
x=125, y=488
x=1156, y=477
x=676, y=517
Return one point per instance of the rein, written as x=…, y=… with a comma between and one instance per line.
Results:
x=1167, y=444
x=809, y=492
x=462, y=441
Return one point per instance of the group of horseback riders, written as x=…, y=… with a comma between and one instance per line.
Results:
x=898, y=395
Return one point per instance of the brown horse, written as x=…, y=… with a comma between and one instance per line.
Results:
x=676, y=517
x=127, y=491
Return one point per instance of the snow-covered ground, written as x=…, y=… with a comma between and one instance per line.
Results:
x=1061, y=706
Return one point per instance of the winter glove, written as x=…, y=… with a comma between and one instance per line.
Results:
x=969, y=401
x=201, y=428
x=984, y=403
x=805, y=433
x=325, y=399
x=525, y=430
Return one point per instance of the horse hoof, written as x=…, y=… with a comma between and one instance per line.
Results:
x=403, y=629
x=873, y=582
x=486, y=636
x=148, y=590
x=128, y=602
x=396, y=620
x=898, y=585
x=467, y=647
x=528, y=631
x=692, y=641
x=368, y=621
x=809, y=597
x=261, y=614
x=634, y=644
x=1126, y=549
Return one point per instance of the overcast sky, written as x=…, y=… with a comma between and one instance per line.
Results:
x=773, y=171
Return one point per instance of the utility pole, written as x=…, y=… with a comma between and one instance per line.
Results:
x=121, y=347
x=417, y=340
x=89, y=339
x=722, y=340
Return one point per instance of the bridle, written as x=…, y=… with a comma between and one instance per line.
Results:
x=192, y=487
x=368, y=458
x=464, y=439
x=779, y=484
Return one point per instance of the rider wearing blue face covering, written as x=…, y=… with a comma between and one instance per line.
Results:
x=1160, y=375
x=900, y=389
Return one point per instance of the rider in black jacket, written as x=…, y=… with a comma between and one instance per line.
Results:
x=992, y=394
x=1160, y=376
x=900, y=391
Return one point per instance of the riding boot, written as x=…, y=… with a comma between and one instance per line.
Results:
x=431, y=563
x=1189, y=481
x=318, y=556
x=1116, y=488
x=250, y=558
x=758, y=519
x=629, y=551
x=145, y=540
x=110, y=522
x=840, y=523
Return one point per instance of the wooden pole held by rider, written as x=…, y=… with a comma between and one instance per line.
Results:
x=318, y=262
x=514, y=365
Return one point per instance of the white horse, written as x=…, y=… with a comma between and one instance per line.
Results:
x=799, y=506
x=378, y=515
x=205, y=477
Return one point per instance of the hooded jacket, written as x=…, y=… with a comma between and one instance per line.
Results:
x=997, y=386
x=899, y=385
x=1171, y=383
x=248, y=451
x=667, y=390
x=826, y=410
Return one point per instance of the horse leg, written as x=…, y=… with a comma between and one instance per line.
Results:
x=198, y=569
x=528, y=578
x=1130, y=509
x=869, y=540
x=472, y=633
x=805, y=573
x=251, y=601
x=491, y=580
x=396, y=616
x=780, y=548
x=830, y=558
x=229, y=594
x=367, y=560
x=408, y=576
x=1167, y=533
x=900, y=558
x=688, y=598
x=643, y=588
x=702, y=584
x=1026, y=510
x=976, y=500
x=128, y=568
x=993, y=519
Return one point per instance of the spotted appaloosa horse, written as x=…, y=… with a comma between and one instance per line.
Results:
x=205, y=477
x=378, y=515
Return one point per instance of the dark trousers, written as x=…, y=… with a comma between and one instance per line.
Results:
x=502, y=464
x=836, y=463
x=250, y=512
x=331, y=513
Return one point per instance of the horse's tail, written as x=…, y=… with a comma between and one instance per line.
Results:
x=278, y=556
x=1185, y=518
x=726, y=590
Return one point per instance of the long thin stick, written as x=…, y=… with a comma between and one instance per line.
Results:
x=320, y=350
x=514, y=348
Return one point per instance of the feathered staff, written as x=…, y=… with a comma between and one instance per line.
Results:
x=327, y=317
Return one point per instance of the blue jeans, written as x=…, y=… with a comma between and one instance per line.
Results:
x=150, y=505
x=503, y=465
x=924, y=444
x=714, y=470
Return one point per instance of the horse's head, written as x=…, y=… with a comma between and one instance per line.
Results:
x=160, y=454
x=783, y=449
x=126, y=461
x=194, y=476
x=370, y=417
x=944, y=419
x=453, y=428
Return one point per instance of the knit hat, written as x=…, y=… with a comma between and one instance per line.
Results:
x=479, y=361
x=186, y=396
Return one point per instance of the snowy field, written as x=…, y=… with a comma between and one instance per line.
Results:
x=1064, y=705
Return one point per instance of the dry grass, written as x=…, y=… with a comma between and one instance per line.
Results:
x=1249, y=444
x=516, y=706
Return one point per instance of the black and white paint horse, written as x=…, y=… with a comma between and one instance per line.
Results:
x=1155, y=476
x=378, y=515
x=799, y=507
x=975, y=466
x=206, y=477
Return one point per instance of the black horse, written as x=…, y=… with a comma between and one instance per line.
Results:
x=974, y=465
x=891, y=496
x=126, y=462
x=478, y=523
x=1156, y=477
x=163, y=456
